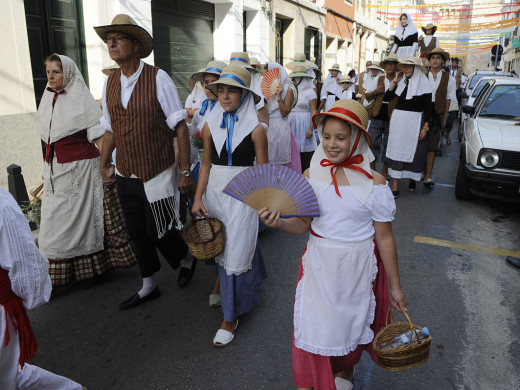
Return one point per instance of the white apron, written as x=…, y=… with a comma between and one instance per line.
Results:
x=405, y=127
x=240, y=221
x=335, y=293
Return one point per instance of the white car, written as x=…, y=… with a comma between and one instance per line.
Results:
x=490, y=149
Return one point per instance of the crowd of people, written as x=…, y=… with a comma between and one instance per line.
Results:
x=115, y=173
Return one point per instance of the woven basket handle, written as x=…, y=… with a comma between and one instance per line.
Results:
x=407, y=318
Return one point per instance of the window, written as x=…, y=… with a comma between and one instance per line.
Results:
x=279, y=41
x=244, y=32
x=313, y=44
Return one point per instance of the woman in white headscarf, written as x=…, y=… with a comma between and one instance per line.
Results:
x=278, y=108
x=330, y=88
x=370, y=82
x=405, y=37
x=406, y=150
x=300, y=116
x=75, y=205
x=233, y=140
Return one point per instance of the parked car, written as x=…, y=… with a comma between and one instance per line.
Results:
x=471, y=98
x=471, y=83
x=489, y=163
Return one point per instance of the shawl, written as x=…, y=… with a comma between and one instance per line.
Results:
x=74, y=111
x=403, y=32
x=320, y=176
x=331, y=84
x=238, y=123
x=418, y=84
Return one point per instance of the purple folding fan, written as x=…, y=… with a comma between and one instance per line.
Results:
x=276, y=187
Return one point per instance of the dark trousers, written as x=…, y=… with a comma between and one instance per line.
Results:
x=434, y=133
x=143, y=231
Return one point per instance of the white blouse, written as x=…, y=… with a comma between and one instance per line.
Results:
x=346, y=219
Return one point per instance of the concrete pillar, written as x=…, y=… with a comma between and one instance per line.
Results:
x=228, y=35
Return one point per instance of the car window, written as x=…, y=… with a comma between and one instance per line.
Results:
x=479, y=87
x=474, y=80
x=481, y=96
x=503, y=102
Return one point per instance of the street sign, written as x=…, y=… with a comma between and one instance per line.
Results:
x=516, y=43
x=496, y=48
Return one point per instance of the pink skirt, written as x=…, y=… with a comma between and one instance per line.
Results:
x=296, y=162
x=311, y=370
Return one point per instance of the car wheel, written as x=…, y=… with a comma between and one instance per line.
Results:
x=462, y=184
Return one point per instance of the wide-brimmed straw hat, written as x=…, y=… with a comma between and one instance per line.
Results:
x=109, y=69
x=375, y=66
x=415, y=61
x=235, y=76
x=429, y=26
x=299, y=71
x=392, y=57
x=335, y=67
x=444, y=54
x=125, y=24
x=345, y=79
x=350, y=111
x=299, y=59
x=240, y=58
x=213, y=67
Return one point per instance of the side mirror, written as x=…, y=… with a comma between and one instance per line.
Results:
x=470, y=110
x=464, y=95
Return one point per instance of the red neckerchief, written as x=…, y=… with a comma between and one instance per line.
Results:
x=56, y=94
x=348, y=163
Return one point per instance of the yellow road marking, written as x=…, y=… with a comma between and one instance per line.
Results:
x=469, y=247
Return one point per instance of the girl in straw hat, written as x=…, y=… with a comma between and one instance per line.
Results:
x=300, y=116
x=342, y=292
x=409, y=124
x=233, y=139
x=405, y=37
x=348, y=88
x=330, y=88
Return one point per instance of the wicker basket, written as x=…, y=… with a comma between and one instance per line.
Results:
x=403, y=357
x=205, y=237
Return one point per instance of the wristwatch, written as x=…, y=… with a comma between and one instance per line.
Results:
x=186, y=173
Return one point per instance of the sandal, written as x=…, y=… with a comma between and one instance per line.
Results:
x=224, y=337
x=395, y=194
x=214, y=300
x=343, y=384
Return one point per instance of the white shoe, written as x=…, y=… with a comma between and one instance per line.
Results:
x=214, y=300
x=343, y=384
x=224, y=337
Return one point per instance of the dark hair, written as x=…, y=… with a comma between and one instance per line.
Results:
x=351, y=73
x=54, y=57
x=406, y=16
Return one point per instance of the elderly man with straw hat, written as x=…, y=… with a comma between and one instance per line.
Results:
x=443, y=87
x=142, y=110
x=381, y=112
x=428, y=42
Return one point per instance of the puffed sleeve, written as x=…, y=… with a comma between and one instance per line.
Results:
x=28, y=268
x=381, y=203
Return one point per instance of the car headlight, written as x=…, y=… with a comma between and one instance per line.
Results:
x=489, y=158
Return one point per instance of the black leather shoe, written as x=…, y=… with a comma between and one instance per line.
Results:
x=513, y=262
x=135, y=300
x=186, y=274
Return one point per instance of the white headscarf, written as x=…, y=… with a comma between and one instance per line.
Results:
x=320, y=177
x=196, y=97
x=74, y=110
x=418, y=84
x=331, y=84
x=284, y=77
x=245, y=122
x=370, y=83
x=403, y=32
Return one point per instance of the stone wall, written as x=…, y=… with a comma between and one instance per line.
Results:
x=21, y=146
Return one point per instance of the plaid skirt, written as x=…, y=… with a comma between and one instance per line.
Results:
x=118, y=250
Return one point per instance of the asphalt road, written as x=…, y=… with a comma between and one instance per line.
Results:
x=468, y=297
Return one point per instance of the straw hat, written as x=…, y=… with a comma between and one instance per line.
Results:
x=415, y=61
x=109, y=69
x=235, y=76
x=444, y=54
x=392, y=57
x=335, y=67
x=345, y=79
x=299, y=71
x=429, y=26
x=213, y=67
x=375, y=65
x=299, y=59
x=240, y=58
x=125, y=24
x=350, y=111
